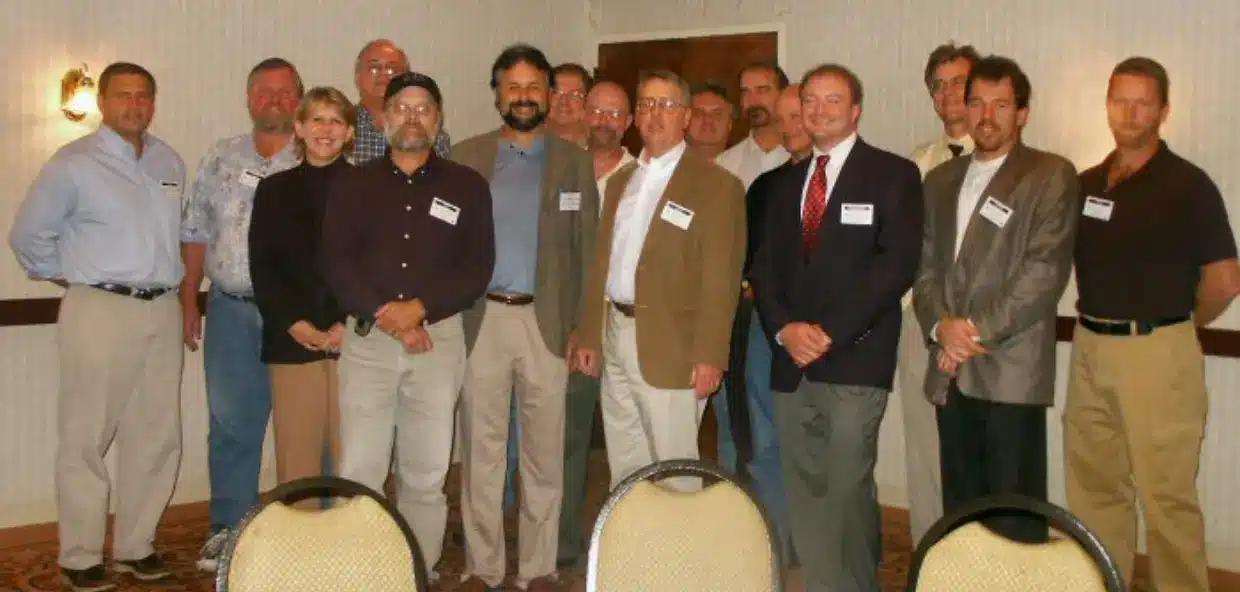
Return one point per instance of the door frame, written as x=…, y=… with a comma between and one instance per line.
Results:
x=780, y=30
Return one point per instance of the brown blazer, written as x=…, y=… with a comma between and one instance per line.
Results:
x=565, y=239
x=1007, y=280
x=688, y=281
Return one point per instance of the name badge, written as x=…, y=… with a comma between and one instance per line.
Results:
x=1098, y=208
x=171, y=189
x=570, y=201
x=996, y=212
x=250, y=178
x=857, y=214
x=445, y=211
x=677, y=215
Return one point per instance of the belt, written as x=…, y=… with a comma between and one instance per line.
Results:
x=139, y=293
x=241, y=297
x=1128, y=327
x=628, y=310
x=510, y=299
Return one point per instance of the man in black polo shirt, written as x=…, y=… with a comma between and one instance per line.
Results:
x=408, y=243
x=1155, y=258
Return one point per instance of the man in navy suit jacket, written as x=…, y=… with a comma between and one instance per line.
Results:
x=843, y=240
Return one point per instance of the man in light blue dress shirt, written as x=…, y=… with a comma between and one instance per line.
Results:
x=215, y=236
x=102, y=219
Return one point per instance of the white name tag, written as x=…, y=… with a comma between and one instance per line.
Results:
x=171, y=189
x=857, y=214
x=1098, y=208
x=996, y=212
x=250, y=178
x=677, y=215
x=570, y=201
x=445, y=211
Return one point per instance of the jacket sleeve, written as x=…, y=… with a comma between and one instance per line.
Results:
x=278, y=300
x=723, y=249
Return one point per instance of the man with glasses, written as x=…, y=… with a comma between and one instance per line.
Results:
x=665, y=279
x=376, y=65
x=570, y=84
x=711, y=121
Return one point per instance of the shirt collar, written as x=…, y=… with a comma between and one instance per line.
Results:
x=667, y=161
x=966, y=141
x=115, y=143
x=839, y=152
x=536, y=149
x=992, y=164
x=286, y=154
x=428, y=168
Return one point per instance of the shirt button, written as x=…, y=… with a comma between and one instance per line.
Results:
x=406, y=236
x=404, y=265
x=400, y=296
x=408, y=208
x=409, y=181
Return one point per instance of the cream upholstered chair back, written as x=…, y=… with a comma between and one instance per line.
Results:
x=960, y=554
x=360, y=543
x=655, y=539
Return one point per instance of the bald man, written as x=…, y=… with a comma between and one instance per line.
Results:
x=376, y=64
x=608, y=117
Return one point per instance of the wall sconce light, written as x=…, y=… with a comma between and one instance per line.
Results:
x=77, y=94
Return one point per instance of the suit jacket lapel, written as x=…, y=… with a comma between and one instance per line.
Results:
x=679, y=185
x=553, y=168
x=846, y=185
x=483, y=160
x=980, y=234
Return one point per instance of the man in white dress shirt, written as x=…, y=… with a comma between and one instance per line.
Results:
x=947, y=70
x=762, y=151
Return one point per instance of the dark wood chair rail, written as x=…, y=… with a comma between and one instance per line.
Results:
x=21, y=312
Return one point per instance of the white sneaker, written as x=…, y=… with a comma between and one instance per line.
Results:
x=211, y=551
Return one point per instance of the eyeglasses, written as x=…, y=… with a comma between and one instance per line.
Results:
x=649, y=105
x=611, y=114
x=574, y=95
x=420, y=110
x=375, y=69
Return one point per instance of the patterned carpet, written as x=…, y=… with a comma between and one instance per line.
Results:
x=31, y=565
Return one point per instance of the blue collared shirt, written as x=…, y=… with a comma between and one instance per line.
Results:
x=218, y=210
x=99, y=213
x=516, y=188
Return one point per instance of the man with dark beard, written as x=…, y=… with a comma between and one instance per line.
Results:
x=760, y=86
x=408, y=244
x=215, y=244
x=520, y=335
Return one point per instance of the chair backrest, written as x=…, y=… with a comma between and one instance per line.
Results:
x=960, y=554
x=360, y=543
x=655, y=539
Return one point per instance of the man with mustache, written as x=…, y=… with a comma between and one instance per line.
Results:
x=1155, y=259
x=376, y=64
x=215, y=239
x=996, y=256
x=711, y=121
x=521, y=333
x=608, y=115
x=946, y=72
x=408, y=245
x=839, y=247
x=760, y=86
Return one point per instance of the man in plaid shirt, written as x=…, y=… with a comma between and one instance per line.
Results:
x=376, y=64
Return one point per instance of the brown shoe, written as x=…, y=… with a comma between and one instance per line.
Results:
x=542, y=584
x=474, y=584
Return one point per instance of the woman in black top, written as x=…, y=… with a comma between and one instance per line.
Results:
x=302, y=323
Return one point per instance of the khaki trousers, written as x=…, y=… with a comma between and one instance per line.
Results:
x=643, y=424
x=1133, y=427
x=120, y=383
x=305, y=416
x=386, y=395
x=921, y=431
x=510, y=353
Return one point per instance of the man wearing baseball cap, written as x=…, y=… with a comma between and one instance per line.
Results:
x=408, y=245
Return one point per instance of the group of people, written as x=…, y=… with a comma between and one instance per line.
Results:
x=370, y=283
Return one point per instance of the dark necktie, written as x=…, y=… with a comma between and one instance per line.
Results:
x=815, y=206
x=956, y=149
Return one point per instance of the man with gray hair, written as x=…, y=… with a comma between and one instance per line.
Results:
x=215, y=244
x=377, y=63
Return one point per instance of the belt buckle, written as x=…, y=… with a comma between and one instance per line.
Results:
x=1140, y=328
x=362, y=327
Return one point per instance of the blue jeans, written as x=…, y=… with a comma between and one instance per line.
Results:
x=514, y=446
x=239, y=404
x=764, y=470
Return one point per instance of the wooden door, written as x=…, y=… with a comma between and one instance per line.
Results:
x=716, y=59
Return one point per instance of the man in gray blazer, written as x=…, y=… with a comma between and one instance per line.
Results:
x=996, y=255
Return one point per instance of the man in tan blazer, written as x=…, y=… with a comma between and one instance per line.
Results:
x=996, y=255
x=545, y=204
x=670, y=250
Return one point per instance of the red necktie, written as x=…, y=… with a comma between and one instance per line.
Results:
x=815, y=206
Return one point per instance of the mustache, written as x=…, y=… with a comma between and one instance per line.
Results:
x=519, y=104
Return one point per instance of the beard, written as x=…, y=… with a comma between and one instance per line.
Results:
x=758, y=116
x=410, y=137
x=274, y=121
x=526, y=124
x=603, y=137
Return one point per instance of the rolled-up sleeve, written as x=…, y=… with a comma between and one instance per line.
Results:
x=36, y=232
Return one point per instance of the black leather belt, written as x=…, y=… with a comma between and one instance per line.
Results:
x=510, y=299
x=1128, y=327
x=139, y=293
x=628, y=310
x=241, y=297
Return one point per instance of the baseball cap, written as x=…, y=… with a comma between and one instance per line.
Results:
x=412, y=79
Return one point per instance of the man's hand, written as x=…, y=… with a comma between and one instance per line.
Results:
x=191, y=318
x=588, y=362
x=804, y=342
x=398, y=317
x=946, y=364
x=417, y=340
x=335, y=337
x=705, y=379
x=307, y=336
x=959, y=339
